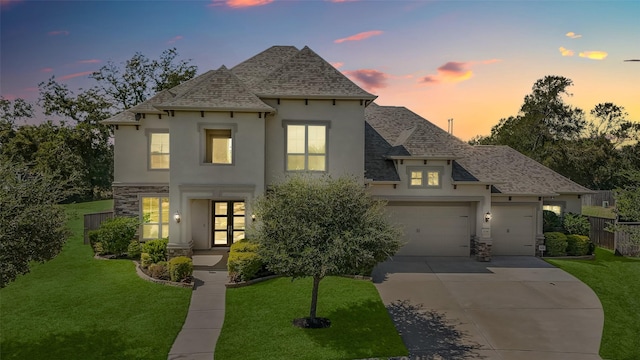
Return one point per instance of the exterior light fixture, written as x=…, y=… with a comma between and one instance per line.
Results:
x=253, y=217
x=177, y=217
x=487, y=217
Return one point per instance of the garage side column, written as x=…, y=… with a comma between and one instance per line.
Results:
x=483, y=243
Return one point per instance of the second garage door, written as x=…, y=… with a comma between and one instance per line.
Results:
x=513, y=230
x=433, y=230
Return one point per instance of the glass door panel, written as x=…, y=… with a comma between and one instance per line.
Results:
x=228, y=222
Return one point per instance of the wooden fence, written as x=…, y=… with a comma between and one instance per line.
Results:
x=93, y=221
x=624, y=245
x=601, y=198
x=599, y=235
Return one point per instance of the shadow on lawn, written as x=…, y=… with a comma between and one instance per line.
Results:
x=88, y=344
x=429, y=335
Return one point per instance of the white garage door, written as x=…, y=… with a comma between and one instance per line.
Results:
x=433, y=230
x=513, y=230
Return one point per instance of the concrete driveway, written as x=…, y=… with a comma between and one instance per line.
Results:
x=513, y=307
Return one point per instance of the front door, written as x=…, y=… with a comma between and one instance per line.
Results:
x=228, y=222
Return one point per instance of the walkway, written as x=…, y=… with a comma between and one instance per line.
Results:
x=199, y=334
x=510, y=308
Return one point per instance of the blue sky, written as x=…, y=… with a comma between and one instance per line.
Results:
x=469, y=60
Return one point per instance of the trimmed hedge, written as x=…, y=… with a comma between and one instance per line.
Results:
x=244, y=263
x=556, y=243
x=156, y=249
x=578, y=245
x=180, y=268
x=114, y=235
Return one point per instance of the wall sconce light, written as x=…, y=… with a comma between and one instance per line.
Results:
x=177, y=217
x=487, y=217
x=253, y=217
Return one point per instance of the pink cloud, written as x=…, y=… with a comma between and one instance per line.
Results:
x=594, y=55
x=337, y=65
x=369, y=79
x=451, y=72
x=88, y=61
x=341, y=1
x=7, y=3
x=359, y=36
x=75, y=75
x=10, y=97
x=58, y=32
x=31, y=89
x=491, y=61
x=46, y=70
x=236, y=4
x=174, y=39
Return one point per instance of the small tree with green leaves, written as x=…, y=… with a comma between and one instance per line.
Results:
x=320, y=226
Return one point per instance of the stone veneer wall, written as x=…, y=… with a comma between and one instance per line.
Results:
x=539, y=241
x=126, y=201
x=482, y=249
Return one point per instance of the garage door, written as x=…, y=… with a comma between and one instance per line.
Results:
x=433, y=230
x=513, y=230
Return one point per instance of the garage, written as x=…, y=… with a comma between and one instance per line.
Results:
x=432, y=230
x=513, y=229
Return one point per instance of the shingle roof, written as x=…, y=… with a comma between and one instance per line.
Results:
x=217, y=90
x=307, y=75
x=125, y=117
x=407, y=131
x=376, y=166
x=255, y=69
x=514, y=173
x=148, y=107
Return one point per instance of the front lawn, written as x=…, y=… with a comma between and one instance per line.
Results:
x=598, y=211
x=616, y=281
x=257, y=322
x=76, y=307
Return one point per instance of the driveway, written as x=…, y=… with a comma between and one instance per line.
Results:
x=513, y=307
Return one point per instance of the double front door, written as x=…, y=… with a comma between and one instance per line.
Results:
x=228, y=222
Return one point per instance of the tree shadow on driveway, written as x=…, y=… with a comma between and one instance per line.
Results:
x=427, y=334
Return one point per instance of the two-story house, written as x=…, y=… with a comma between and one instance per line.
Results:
x=190, y=160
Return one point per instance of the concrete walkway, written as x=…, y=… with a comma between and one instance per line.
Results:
x=517, y=308
x=199, y=334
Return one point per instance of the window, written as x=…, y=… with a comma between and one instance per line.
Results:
x=306, y=147
x=155, y=217
x=159, y=151
x=429, y=177
x=219, y=146
x=557, y=209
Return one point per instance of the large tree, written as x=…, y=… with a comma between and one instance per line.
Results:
x=319, y=226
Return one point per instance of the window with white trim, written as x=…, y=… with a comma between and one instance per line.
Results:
x=159, y=151
x=425, y=177
x=155, y=217
x=306, y=147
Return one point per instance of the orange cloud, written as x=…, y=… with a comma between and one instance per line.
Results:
x=337, y=65
x=46, y=70
x=359, y=36
x=450, y=72
x=236, y=4
x=565, y=51
x=594, y=55
x=58, y=32
x=88, y=61
x=573, y=35
x=341, y=1
x=75, y=75
x=174, y=39
x=369, y=79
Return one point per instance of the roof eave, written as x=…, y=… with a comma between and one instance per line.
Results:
x=215, y=109
x=422, y=157
x=316, y=97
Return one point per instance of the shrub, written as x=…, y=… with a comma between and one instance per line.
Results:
x=576, y=224
x=244, y=246
x=134, y=249
x=145, y=260
x=551, y=222
x=159, y=271
x=98, y=249
x=244, y=266
x=115, y=234
x=180, y=268
x=556, y=243
x=578, y=245
x=157, y=249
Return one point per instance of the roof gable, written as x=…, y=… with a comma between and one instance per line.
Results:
x=307, y=75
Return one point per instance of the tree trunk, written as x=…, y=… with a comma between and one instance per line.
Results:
x=314, y=297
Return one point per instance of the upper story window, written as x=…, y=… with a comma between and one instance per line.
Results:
x=219, y=146
x=425, y=177
x=159, y=150
x=306, y=147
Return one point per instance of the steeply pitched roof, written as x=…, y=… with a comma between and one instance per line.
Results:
x=376, y=166
x=307, y=75
x=514, y=173
x=255, y=69
x=217, y=90
x=125, y=117
x=148, y=107
x=407, y=131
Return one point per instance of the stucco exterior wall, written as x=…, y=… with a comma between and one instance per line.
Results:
x=345, y=152
x=131, y=152
x=570, y=203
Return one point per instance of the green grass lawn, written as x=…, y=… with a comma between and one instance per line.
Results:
x=616, y=281
x=598, y=211
x=76, y=307
x=257, y=322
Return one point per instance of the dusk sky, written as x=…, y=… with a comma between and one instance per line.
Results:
x=473, y=61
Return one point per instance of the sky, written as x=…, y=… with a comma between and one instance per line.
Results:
x=471, y=61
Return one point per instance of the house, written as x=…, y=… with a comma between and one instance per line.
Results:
x=190, y=160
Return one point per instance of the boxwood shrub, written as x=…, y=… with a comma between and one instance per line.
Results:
x=244, y=263
x=578, y=245
x=157, y=249
x=115, y=235
x=180, y=268
x=556, y=243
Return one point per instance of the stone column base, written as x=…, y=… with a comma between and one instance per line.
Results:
x=539, y=241
x=175, y=250
x=483, y=249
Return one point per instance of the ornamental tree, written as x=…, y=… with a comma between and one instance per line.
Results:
x=319, y=226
